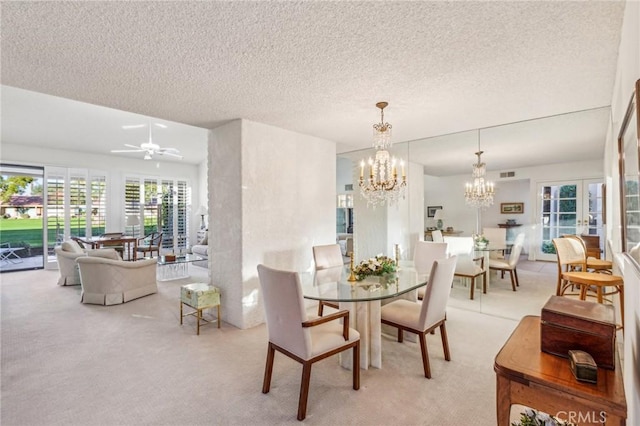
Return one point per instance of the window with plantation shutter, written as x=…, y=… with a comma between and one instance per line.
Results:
x=164, y=206
x=151, y=213
x=98, y=214
x=78, y=204
x=55, y=212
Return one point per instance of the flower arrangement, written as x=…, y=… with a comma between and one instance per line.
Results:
x=480, y=240
x=532, y=417
x=378, y=265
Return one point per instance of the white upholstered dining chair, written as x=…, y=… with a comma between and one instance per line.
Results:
x=327, y=256
x=509, y=264
x=497, y=237
x=422, y=318
x=291, y=333
x=436, y=236
x=426, y=252
x=468, y=266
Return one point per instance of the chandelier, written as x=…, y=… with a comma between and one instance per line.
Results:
x=382, y=184
x=479, y=193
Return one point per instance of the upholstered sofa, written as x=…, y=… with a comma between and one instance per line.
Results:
x=200, y=249
x=67, y=254
x=109, y=282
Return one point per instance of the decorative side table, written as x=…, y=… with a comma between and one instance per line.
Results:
x=200, y=296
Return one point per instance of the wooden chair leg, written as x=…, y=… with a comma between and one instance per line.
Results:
x=268, y=369
x=445, y=342
x=400, y=335
x=516, y=274
x=513, y=282
x=304, y=390
x=320, y=308
x=425, y=355
x=356, y=366
x=473, y=287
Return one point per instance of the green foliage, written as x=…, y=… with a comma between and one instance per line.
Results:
x=548, y=247
x=13, y=185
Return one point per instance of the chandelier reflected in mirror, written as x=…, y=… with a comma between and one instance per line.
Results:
x=479, y=193
x=382, y=184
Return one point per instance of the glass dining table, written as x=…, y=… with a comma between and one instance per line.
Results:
x=363, y=300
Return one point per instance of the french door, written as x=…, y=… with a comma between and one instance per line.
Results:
x=75, y=205
x=568, y=207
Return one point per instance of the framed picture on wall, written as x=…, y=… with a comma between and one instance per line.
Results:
x=511, y=208
x=431, y=210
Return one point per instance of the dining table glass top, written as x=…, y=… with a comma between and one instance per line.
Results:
x=332, y=284
x=490, y=247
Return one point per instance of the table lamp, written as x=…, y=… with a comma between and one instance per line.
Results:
x=132, y=221
x=438, y=217
x=202, y=211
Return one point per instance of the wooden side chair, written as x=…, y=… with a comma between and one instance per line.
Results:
x=425, y=317
x=327, y=256
x=291, y=333
x=86, y=245
x=594, y=263
x=572, y=272
x=150, y=243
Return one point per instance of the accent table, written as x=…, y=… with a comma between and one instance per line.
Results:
x=175, y=269
x=199, y=296
x=525, y=375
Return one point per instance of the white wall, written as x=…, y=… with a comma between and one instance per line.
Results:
x=628, y=71
x=269, y=204
x=115, y=168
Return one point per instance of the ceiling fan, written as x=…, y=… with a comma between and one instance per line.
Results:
x=149, y=148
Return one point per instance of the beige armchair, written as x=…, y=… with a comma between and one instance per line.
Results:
x=109, y=282
x=66, y=255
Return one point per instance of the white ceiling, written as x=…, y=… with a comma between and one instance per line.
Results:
x=317, y=68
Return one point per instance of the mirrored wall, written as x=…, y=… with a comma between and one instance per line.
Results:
x=522, y=159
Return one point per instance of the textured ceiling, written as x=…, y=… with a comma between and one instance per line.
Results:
x=317, y=67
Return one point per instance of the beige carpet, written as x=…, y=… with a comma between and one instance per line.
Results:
x=66, y=363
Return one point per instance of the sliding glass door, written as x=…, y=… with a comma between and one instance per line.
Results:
x=21, y=217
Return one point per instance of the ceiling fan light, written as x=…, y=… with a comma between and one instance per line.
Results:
x=147, y=156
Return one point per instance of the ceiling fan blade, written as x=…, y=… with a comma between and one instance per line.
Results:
x=132, y=146
x=170, y=154
x=127, y=150
x=174, y=150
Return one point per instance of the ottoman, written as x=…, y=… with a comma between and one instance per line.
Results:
x=199, y=296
